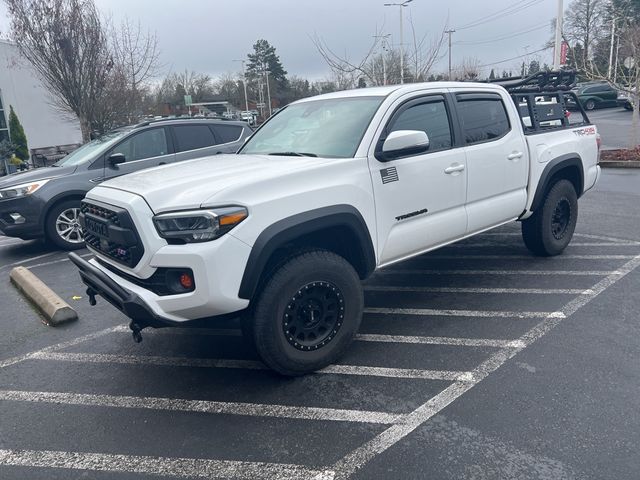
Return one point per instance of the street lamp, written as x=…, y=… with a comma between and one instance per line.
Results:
x=400, y=6
x=244, y=83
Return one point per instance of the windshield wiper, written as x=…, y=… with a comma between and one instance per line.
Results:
x=293, y=154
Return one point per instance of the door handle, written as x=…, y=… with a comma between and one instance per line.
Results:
x=453, y=169
x=514, y=155
x=162, y=163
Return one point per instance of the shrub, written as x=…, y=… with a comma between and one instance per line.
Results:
x=18, y=138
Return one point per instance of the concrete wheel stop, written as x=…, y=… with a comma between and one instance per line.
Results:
x=55, y=310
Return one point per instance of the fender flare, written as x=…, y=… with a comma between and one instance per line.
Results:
x=553, y=167
x=290, y=228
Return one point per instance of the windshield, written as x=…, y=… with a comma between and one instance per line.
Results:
x=88, y=151
x=323, y=128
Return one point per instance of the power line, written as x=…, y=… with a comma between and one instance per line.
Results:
x=515, y=8
x=514, y=58
x=504, y=37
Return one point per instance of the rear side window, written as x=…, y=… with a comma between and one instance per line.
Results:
x=483, y=117
x=431, y=117
x=227, y=133
x=191, y=137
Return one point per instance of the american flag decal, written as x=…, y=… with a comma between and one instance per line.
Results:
x=389, y=175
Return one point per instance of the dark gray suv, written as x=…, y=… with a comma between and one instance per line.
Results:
x=45, y=202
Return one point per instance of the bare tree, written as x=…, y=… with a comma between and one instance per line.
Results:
x=427, y=51
x=583, y=24
x=65, y=43
x=136, y=58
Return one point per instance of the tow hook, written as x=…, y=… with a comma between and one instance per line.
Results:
x=92, y=296
x=136, y=331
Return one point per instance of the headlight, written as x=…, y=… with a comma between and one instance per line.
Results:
x=21, y=190
x=199, y=225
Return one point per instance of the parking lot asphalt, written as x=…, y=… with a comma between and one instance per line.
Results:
x=615, y=127
x=477, y=361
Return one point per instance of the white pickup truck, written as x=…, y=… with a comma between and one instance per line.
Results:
x=327, y=191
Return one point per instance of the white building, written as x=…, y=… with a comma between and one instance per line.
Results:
x=21, y=88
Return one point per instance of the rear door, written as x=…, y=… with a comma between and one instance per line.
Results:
x=420, y=197
x=145, y=149
x=497, y=160
x=194, y=141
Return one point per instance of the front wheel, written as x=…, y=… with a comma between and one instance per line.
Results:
x=62, y=225
x=550, y=229
x=590, y=105
x=307, y=313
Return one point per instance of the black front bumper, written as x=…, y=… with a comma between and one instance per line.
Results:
x=127, y=302
x=31, y=208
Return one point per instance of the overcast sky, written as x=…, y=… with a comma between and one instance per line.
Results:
x=208, y=35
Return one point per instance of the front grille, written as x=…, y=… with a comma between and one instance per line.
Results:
x=119, y=240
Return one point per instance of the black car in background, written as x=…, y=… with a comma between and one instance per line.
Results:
x=45, y=202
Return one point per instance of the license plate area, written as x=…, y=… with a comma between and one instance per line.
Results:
x=96, y=226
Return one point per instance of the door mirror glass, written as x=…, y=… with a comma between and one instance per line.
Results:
x=405, y=142
x=116, y=159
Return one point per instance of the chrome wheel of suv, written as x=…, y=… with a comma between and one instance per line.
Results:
x=68, y=226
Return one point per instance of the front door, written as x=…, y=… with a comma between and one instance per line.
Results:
x=420, y=199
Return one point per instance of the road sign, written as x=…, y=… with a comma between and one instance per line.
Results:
x=629, y=62
x=187, y=100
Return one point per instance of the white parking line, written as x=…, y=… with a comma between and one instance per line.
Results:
x=53, y=262
x=536, y=291
x=202, y=406
x=355, y=370
x=587, y=273
x=462, y=313
x=454, y=341
x=60, y=346
x=164, y=466
x=584, y=235
x=357, y=458
x=572, y=244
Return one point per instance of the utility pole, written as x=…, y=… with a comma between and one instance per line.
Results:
x=266, y=74
x=450, y=31
x=244, y=83
x=558, y=43
x=400, y=7
x=613, y=37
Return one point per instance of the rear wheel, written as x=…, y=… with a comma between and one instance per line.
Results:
x=62, y=227
x=307, y=313
x=550, y=229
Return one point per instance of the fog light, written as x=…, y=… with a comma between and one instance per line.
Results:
x=186, y=281
x=17, y=218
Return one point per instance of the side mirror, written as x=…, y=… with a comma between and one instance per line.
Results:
x=405, y=142
x=116, y=159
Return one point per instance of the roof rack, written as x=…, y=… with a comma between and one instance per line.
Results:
x=545, y=81
x=171, y=119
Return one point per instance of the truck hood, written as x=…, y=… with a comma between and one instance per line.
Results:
x=189, y=184
x=34, y=175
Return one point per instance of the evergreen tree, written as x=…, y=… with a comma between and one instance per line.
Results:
x=534, y=67
x=264, y=58
x=492, y=75
x=18, y=138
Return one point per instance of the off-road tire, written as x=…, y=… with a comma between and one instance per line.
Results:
x=329, y=284
x=546, y=233
x=51, y=232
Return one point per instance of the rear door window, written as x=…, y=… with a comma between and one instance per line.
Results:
x=483, y=117
x=227, y=133
x=192, y=137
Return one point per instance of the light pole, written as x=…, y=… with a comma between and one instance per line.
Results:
x=244, y=83
x=400, y=7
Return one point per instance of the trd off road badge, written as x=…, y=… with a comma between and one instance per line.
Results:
x=389, y=175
